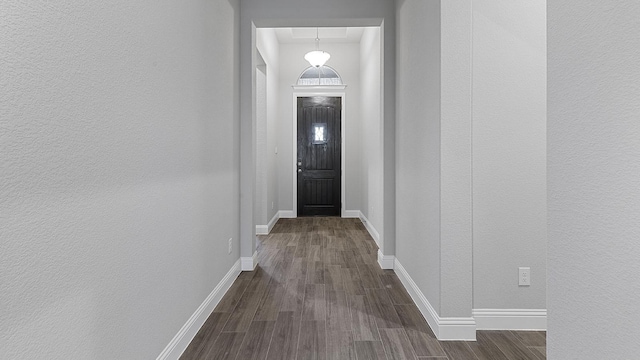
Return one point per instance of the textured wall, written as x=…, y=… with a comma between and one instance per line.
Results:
x=260, y=206
x=455, y=151
x=267, y=159
x=273, y=118
x=418, y=144
x=371, y=117
x=509, y=153
x=593, y=179
x=434, y=151
x=118, y=174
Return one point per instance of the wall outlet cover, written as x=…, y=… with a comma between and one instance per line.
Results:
x=524, y=276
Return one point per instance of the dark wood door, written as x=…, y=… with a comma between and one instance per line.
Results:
x=318, y=164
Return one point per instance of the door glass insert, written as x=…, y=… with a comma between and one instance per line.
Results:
x=319, y=133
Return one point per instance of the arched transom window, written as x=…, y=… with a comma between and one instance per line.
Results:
x=323, y=75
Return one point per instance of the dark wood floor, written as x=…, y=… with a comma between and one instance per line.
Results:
x=319, y=293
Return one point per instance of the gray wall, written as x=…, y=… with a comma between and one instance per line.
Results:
x=509, y=153
x=260, y=206
x=593, y=179
x=267, y=124
x=455, y=153
x=434, y=151
x=471, y=148
x=119, y=172
x=418, y=144
x=327, y=13
x=371, y=118
x=273, y=117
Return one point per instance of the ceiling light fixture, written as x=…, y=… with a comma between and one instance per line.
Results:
x=317, y=57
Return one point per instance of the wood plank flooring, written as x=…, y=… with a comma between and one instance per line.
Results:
x=319, y=293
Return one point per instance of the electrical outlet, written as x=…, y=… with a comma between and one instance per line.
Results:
x=524, y=276
x=276, y=151
x=272, y=205
x=230, y=245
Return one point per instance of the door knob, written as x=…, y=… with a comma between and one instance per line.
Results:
x=299, y=170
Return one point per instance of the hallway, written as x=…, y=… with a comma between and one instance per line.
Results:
x=318, y=293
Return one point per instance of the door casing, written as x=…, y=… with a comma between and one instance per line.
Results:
x=315, y=92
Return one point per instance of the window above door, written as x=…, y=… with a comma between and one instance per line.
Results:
x=324, y=75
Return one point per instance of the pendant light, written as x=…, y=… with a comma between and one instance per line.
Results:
x=317, y=58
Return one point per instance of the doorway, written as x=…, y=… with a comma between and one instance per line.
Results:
x=319, y=156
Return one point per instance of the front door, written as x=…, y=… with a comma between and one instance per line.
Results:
x=318, y=163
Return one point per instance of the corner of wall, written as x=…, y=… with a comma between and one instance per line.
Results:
x=266, y=229
x=249, y=263
x=445, y=328
x=185, y=335
x=371, y=229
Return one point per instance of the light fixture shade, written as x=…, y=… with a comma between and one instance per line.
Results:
x=317, y=58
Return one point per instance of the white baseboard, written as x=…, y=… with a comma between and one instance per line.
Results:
x=510, y=319
x=249, y=263
x=266, y=229
x=179, y=343
x=262, y=230
x=287, y=214
x=273, y=221
x=386, y=261
x=445, y=328
x=372, y=231
x=351, y=214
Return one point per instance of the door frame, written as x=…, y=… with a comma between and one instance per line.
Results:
x=328, y=92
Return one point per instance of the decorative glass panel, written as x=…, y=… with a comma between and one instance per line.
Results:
x=323, y=75
x=319, y=133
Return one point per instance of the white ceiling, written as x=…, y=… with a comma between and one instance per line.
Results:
x=326, y=34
